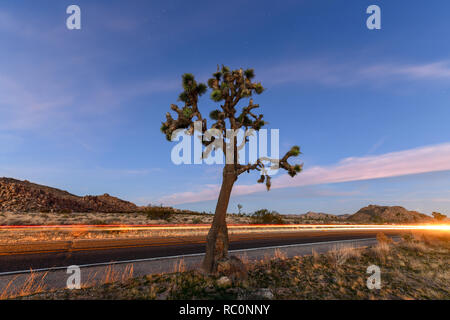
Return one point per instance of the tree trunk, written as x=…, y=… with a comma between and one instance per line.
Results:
x=217, y=239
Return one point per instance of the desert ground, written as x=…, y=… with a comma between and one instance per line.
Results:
x=415, y=267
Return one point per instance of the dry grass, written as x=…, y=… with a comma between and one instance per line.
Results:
x=279, y=254
x=18, y=236
x=98, y=218
x=382, y=250
x=33, y=284
x=179, y=266
x=382, y=238
x=340, y=254
x=244, y=258
x=112, y=275
x=138, y=218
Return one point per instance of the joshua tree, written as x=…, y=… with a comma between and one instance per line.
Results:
x=239, y=208
x=229, y=88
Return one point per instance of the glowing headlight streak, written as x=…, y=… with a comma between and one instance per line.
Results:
x=243, y=227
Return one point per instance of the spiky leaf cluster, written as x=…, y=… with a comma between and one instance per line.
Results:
x=189, y=113
x=192, y=90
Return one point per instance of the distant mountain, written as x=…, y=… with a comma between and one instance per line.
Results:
x=24, y=196
x=321, y=216
x=370, y=214
x=380, y=214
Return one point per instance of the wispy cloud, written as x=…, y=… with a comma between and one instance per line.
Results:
x=377, y=145
x=24, y=106
x=325, y=71
x=408, y=162
x=435, y=71
x=316, y=71
x=40, y=89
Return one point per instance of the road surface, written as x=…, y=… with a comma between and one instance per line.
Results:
x=125, y=249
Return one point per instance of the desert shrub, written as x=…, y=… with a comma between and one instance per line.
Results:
x=265, y=216
x=382, y=238
x=14, y=222
x=381, y=250
x=196, y=220
x=97, y=222
x=422, y=242
x=65, y=211
x=377, y=219
x=407, y=237
x=157, y=213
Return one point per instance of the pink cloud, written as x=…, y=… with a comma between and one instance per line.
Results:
x=408, y=162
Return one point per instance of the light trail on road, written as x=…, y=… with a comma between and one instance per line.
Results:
x=23, y=253
x=437, y=227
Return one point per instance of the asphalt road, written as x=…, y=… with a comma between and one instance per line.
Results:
x=143, y=249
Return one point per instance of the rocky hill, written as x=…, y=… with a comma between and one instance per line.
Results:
x=380, y=214
x=24, y=196
x=369, y=214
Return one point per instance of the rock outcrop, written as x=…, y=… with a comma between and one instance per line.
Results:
x=385, y=214
x=24, y=196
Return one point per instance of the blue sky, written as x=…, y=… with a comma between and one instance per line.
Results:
x=81, y=110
